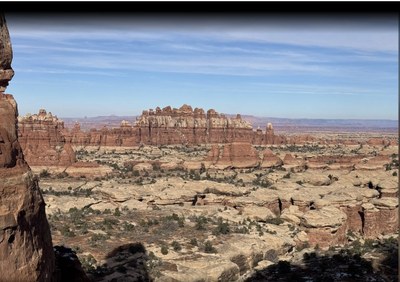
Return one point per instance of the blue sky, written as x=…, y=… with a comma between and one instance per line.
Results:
x=275, y=67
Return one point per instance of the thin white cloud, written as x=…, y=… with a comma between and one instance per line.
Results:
x=353, y=37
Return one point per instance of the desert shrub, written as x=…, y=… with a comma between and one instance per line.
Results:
x=66, y=231
x=221, y=228
x=177, y=247
x=109, y=223
x=128, y=226
x=62, y=175
x=201, y=222
x=107, y=211
x=117, y=212
x=44, y=173
x=164, y=250
x=97, y=237
x=241, y=230
x=168, y=226
x=208, y=247
x=273, y=232
x=193, y=242
x=274, y=220
x=394, y=173
x=265, y=183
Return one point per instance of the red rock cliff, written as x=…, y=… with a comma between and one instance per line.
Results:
x=42, y=140
x=26, y=251
x=177, y=126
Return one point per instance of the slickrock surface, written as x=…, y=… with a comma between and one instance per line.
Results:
x=26, y=251
x=247, y=206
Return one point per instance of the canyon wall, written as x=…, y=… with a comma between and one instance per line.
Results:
x=176, y=126
x=167, y=126
x=42, y=140
x=26, y=251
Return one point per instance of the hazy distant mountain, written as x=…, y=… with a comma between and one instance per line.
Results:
x=98, y=122
x=280, y=122
x=261, y=122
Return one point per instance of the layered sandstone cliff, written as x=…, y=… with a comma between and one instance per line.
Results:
x=177, y=126
x=42, y=140
x=26, y=252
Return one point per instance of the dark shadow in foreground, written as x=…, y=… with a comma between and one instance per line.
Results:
x=68, y=266
x=125, y=263
x=343, y=266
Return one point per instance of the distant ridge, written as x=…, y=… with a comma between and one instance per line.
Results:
x=259, y=122
x=378, y=123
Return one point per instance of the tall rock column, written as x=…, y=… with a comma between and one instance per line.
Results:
x=26, y=250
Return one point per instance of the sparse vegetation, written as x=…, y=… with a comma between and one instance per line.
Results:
x=108, y=219
x=275, y=220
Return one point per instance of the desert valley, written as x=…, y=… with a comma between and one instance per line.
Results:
x=187, y=194
x=208, y=197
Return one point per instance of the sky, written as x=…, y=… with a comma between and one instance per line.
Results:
x=338, y=67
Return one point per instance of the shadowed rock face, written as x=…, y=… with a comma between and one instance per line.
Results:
x=6, y=72
x=26, y=251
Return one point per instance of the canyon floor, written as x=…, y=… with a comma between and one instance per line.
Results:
x=164, y=214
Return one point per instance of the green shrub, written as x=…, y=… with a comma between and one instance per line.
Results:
x=208, y=247
x=222, y=228
x=201, y=222
x=193, y=242
x=117, y=212
x=275, y=220
x=241, y=230
x=128, y=226
x=44, y=173
x=177, y=247
x=164, y=250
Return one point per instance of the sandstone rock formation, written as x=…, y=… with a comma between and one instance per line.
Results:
x=176, y=126
x=6, y=72
x=42, y=140
x=26, y=252
x=270, y=160
x=233, y=155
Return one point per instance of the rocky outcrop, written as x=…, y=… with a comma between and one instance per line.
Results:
x=233, y=155
x=26, y=251
x=185, y=126
x=42, y=140
x=373, y=214
x=325, y=226
x=270, y=159
x=6, y=72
